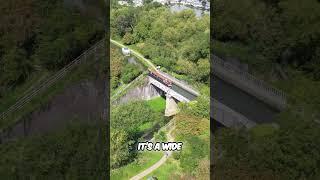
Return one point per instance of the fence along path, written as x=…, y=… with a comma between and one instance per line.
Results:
x=249, y=83
x=52, y=79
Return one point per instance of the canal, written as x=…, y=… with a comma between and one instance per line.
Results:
x=241, y=102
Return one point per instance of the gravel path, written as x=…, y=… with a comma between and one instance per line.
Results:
x=157, y=164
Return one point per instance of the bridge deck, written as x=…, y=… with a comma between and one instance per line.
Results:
x=181, y=90
x=242, y=102
x=169, y=91
x=180, y=84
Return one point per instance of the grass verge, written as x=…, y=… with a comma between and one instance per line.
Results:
x=168, y=170
x=143, y=161
x=157, y=104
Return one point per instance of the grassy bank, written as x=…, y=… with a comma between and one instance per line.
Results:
x=169, y=170
x=157, y=104
x=143, y=161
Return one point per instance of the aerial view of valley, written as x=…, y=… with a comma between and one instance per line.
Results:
x=159, y=90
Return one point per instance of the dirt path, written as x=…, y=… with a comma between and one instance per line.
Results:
x=157, y=164
x=135, y=53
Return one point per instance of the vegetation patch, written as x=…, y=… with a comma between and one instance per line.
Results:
x=170, y=170
x=157, y=104
x=122, y=72
x=143, y=161
x=74, y=152
x=128, y=123
x=146, y=30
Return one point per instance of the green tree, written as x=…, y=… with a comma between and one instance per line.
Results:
x=130, y=72
x=195, y=149
x=128, y=39
x=123, y=20
x=120, y=147
x=15, y=68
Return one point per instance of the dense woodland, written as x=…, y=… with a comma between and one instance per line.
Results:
x=38, y=36
x=76, y=152
x=178, y=42
x=279, y=40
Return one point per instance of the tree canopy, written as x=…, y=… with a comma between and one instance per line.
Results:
x=171, y=40
x=126, y=122
x=41, y=36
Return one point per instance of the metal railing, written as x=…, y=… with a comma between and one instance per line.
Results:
x=180, y=83
x=52, y=79
x=259, y=85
